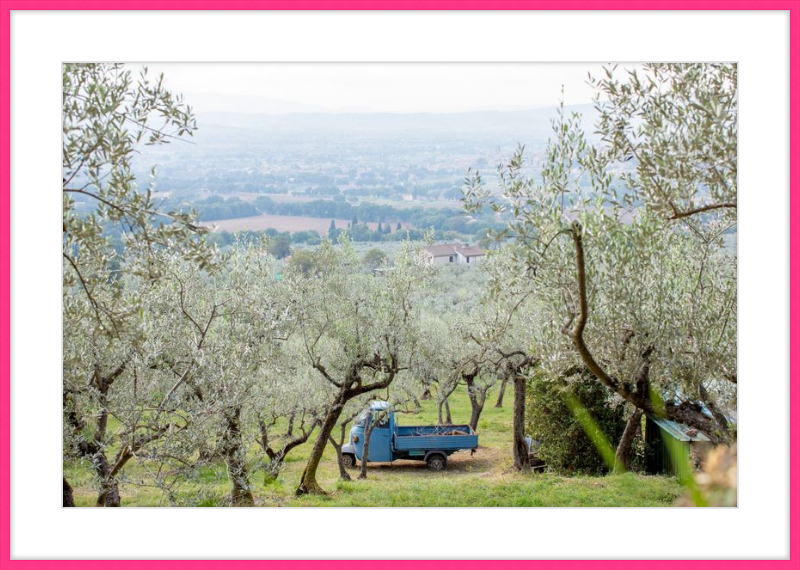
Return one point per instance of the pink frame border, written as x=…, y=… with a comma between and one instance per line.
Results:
x=5, y=265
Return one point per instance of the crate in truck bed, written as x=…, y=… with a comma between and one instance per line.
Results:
x=457, y=437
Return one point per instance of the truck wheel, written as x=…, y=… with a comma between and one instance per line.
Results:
x=437, y=462
x=349, y=461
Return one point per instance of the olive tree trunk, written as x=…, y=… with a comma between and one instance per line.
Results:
x=365, y=456
x=109, y=487
x=501, y=394
x=351, y=387
x=343, y=474
x=308, y=481
x=278, y=456
x=337, y=445
x=477, y=399
x=68, y=500
x=522, y=460
x=623, y=456
x=236, y=460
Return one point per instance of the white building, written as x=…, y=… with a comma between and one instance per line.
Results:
x=454, y=253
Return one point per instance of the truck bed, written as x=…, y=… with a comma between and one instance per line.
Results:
x=410, y=438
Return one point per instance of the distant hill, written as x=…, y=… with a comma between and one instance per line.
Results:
x=534, y=124
x=211, y=102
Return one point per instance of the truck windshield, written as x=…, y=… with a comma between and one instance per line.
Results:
x=361, y=420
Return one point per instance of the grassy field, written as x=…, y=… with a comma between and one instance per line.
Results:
x=485, y=479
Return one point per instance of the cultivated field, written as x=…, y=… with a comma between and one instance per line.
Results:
x=283, y=224
x=485, y=479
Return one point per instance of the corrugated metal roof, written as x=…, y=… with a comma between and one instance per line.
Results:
x=679, y=431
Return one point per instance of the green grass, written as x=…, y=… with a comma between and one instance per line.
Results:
x=484, y=479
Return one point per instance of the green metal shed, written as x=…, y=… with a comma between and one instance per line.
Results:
x=665, y=439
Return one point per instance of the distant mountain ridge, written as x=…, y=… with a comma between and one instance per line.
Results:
x=535, y=122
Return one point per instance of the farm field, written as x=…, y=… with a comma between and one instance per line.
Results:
x=283, y=224
x=485, y=479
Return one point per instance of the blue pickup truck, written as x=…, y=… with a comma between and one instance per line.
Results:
x=389, y=441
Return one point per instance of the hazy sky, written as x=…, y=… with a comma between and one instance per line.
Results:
x=377, y=87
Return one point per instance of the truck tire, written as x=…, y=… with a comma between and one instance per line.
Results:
x=436, y=462
x=349, y=460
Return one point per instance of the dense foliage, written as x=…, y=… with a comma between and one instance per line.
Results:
x=444, y=219
x=565, y=444
x=623, y=248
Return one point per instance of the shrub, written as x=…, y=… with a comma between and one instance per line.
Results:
x=374, y=258
x=565, y=446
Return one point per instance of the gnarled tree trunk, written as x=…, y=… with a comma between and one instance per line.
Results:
x=445, y=419
x=273, y=468
x=350, y=387
x=426, y=393
x=277, y=457
x=477, y=398
x=308, y=481
x=69, y=500
x=689, y=413
x=623, y=455
x=499, y=403
x=109, y=487
x=475, y=416
x=236, y=460
x=522, y=460
x=337, y=445
x=365, y=456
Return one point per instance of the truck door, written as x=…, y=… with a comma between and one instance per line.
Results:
x=380, y=442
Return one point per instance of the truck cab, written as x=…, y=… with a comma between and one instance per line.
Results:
x=380, y=444
x=389, y=441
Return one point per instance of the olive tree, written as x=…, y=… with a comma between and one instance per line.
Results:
x=126, y=376
x=94, y=365
x=237, y=376
x=486, y=342
x=359, y=332
x=678, y=124
x=107, y=113
x=292, y=408
x=197, y=367
x=510, y=328
x=644, y=304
